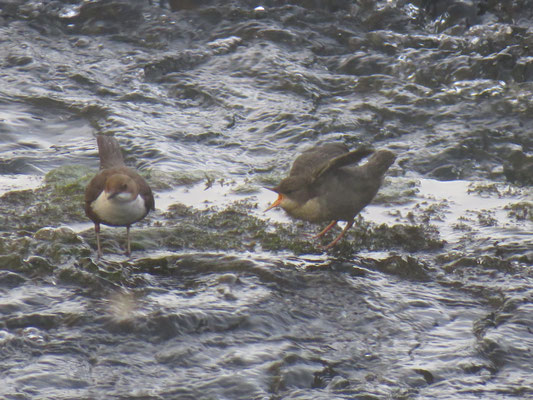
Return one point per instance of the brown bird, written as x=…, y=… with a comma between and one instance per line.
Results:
x=117, y=195
x=324, y=186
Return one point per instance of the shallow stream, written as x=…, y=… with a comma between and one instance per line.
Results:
x=430, y=296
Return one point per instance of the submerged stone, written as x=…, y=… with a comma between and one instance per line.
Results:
x=61, y=234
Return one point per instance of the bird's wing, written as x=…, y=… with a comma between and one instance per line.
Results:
x=109, y=151
x=145, y=191
x=92, y=191
x=352, y=157
x=95, y=187
x=309, y=160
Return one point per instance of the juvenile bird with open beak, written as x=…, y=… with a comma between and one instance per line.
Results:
x=324, y=185
x=117, y=195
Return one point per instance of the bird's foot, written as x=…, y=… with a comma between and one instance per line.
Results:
x=327, y=228
x=310, y=236
x=327, y=246
x=336, y=240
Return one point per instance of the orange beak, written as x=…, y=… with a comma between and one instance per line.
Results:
x=276, y=203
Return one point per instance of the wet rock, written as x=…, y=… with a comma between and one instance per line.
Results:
x=523, y=70
x=407, y=267
x=506, y=10
x=18, y=197
x=37, y=264
x=11, y=262
x=412, y=238
x=428, y=376
x=90, y=280
x=10, y=279
x=456, y=9
x=17, y=60
x=338, y=383
x=519, y=168
x=451, y=13
x=445, y=172
x=456, y=262
x=30, y=10
x=229, y=279
x=492, y=351
x=82, y=42
x=495, y=263
x=104, y=17
x=174, y=63
x=61, y=234
x=223, y=46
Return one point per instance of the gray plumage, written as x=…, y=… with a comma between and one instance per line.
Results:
x=324, y=185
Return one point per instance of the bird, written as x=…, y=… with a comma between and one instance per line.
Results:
x=117, y=195
x=325, y=185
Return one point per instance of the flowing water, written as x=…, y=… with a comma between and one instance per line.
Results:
x=428, y=297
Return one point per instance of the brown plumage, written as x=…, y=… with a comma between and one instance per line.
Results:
x=117, y=195
x=324, y=186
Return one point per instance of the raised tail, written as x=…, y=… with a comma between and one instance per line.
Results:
x=109, y=152
x=380, y=162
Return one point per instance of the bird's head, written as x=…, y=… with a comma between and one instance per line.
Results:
x=292, y=191
x=121, y=187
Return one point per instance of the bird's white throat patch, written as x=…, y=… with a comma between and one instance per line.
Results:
x=119, y=210
x=124, y=197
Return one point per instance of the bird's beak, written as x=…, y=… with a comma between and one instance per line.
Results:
x=276, y=203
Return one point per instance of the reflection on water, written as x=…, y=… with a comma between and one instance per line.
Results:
x=430, y=292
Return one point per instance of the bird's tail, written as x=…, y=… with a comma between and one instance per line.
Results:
x=109, y=152
x=380, y=162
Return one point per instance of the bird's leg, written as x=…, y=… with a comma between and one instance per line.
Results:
x=98, y=245
x=348, y=226
x=128, y=248
x=326, y=229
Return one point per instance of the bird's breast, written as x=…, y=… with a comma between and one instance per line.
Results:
x=117, y=211
x=311, y=210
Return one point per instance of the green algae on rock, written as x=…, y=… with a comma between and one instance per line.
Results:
x=231, y=228
x=521, y=211
x=57, y=202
